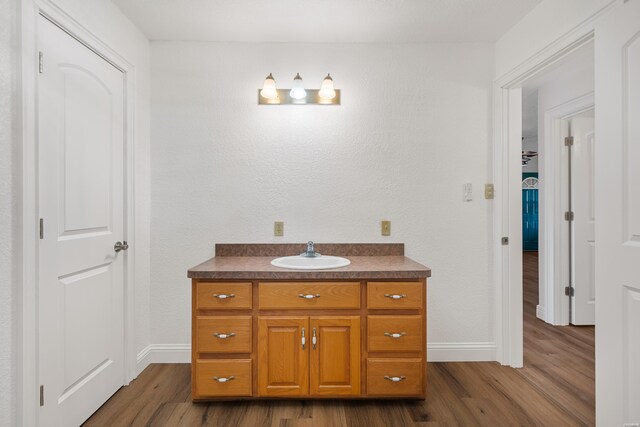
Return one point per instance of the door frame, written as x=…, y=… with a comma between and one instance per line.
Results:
x=507, y=176
x=27, y=360
x=556, y=245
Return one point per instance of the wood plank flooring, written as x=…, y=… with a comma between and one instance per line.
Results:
x=555, y=388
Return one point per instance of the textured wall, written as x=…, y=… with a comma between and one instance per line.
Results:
x=413, y=127
x=8, y=213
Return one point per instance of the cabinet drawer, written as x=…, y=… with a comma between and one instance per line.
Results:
x=220, y=296
x=395, y=377
x=229, y=334
x=296, y=295
x=236, y=372
x=390, y=295
x=395, y=333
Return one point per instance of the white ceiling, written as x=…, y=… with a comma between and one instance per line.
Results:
x=326, y=20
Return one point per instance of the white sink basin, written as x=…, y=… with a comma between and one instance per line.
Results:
x=321, y=262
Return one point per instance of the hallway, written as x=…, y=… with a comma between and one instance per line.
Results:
x=560, y=360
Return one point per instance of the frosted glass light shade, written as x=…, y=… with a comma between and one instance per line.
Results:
x=326, y=89
x=269, y=88
x=298, y=92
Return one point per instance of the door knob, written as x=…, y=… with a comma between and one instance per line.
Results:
x=121, y=246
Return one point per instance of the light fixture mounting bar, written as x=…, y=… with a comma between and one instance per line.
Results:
x=312, y=98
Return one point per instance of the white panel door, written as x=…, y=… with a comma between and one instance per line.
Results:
x=81, y=197
x=583, y=302
x=617, y=91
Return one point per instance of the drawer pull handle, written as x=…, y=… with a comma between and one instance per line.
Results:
x=395, y=335
x=224, y=336
x=304, y=340
x=395, y=379
x=395, y=296
x=224, y=296
x=314, y=340
x=308, y=296
x=224, y=379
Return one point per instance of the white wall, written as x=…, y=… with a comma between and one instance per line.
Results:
x=106, y=21
x=530, y=143
x=8, y=213
x=413, y=127
x=530, y=126
x=543, y=26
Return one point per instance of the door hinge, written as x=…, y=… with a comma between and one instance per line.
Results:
x=505, y=241
x=568, y=216
x=41, y=228
x=569, y=291
x=40, y=62
x=42, y=395
x=568, y=141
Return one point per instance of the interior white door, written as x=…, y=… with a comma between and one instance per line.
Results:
x=617, y=96
x=583, y=302
x=81, y=202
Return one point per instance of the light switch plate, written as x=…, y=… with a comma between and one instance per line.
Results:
x=488, y=191
x=467, y=192
x=278, y=228
x=385, y=228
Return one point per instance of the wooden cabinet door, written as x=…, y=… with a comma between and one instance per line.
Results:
x=335, y=358
x=283, y=363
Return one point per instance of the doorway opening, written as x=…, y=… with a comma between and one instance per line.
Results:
x=558, y=245
x=558, y=143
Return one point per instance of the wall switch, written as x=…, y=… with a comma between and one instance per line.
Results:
x=385, y=228
x=467, y=191
x=278, y=228
x=488, y=191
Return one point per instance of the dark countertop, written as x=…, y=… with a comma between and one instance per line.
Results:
x=260, y=268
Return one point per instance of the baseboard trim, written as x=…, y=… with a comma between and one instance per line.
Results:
x=541, y=313
x=163, y=353
x=436, y=352
x=461, y=352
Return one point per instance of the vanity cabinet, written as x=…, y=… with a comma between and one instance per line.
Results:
x=308, y=356
x=308, y=339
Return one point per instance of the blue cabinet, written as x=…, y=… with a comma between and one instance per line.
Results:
x=530, y=219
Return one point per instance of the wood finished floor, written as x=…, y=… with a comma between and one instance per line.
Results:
x=555, y=388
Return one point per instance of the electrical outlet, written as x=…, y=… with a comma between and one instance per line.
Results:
x=488, y=191
x=278, y=228
x=385, y=228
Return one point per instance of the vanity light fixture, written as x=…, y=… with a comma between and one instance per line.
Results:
x=269, y=90
x=298, y=95
x=326, y=89
x=298, y=92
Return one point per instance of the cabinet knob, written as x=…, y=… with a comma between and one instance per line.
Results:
x=395, y=296
x=395, y=379
x=224, y=336
x=224, y=296
x=308, y=296
x=224, y=379
x=395, y=335
x=304, y=340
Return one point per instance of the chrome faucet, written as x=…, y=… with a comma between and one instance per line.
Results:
x=310, y=252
